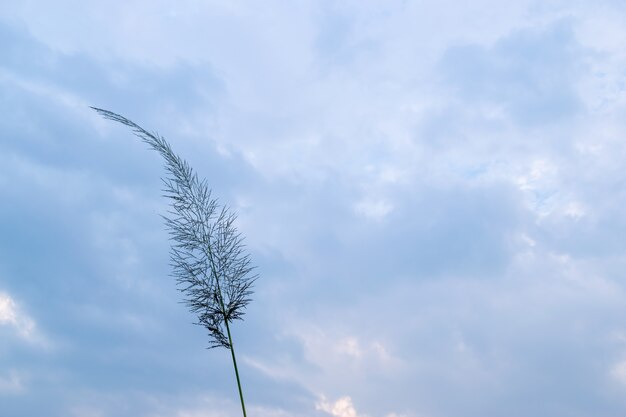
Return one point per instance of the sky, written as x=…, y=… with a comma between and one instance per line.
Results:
x=433, y=194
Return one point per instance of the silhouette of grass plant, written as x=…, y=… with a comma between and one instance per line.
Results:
x=208, y=258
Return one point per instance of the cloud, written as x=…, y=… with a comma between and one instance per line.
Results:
x=343, y=407
x=530, y=74
x=12, y=316
x=433, y=193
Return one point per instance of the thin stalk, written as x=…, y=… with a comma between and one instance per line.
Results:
x=230, y=339
x=198, y=228
x=232, y=351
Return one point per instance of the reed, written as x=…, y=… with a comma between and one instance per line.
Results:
x=208, y=258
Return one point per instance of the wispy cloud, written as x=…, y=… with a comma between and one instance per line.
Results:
x=12, y=316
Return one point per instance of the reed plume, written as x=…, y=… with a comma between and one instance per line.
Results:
x=208, y=258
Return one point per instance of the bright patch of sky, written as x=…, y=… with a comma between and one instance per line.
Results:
x=433, y=193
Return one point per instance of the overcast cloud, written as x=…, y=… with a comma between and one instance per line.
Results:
x=433, y=193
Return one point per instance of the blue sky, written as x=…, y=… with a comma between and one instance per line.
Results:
x=433, y=193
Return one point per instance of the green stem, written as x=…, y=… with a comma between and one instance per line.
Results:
x=232, y=351
x=230, y=340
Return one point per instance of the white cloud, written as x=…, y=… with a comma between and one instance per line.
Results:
x=7, y=309
x=12, y=316
x=343, y=407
